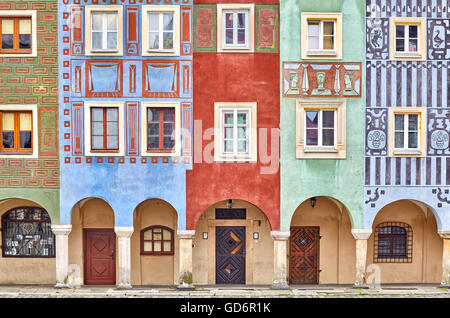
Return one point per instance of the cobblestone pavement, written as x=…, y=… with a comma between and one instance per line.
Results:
x=12, y=291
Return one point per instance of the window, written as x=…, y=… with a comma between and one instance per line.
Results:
x=408, y=38
x=105, y=128
x=104, y=131
x=393, y=243
x=26, y=232
x=157, y=240
x=104, y=30
x=321, y=35
x=162, y=30
x=320, y=129
x=235, y=27
x=18, y=132
x=236, y=131
x=407, y=136
x=18, y=33
x=161, y=129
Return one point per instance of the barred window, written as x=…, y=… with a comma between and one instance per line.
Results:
x=26, y=232
x=393, y=243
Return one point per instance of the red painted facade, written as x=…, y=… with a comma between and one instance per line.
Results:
x=235, y=77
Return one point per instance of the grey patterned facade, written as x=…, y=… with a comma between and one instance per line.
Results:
x=393, y=83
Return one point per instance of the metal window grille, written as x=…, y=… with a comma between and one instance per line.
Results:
x=393, y=243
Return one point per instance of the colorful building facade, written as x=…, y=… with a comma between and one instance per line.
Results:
x=29, y=177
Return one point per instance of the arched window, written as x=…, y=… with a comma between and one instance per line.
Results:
x=26, y=232
x=393, y=243
x=157, y=240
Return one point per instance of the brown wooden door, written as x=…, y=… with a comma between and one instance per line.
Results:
x=304, y=255
x=230, y=255
x=99, y=257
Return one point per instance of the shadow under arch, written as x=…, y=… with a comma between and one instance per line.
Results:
x=48, y=205
x=81, y=203
x=134, y=211
x=422, y=205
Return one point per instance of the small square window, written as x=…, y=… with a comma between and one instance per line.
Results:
x=235, y=27
x=104, y=30
x=161, y=35
x=18, y=33
x=407, y=134
x=320, y=129
x=408, y=38
x=236, y=128
x=321, y=35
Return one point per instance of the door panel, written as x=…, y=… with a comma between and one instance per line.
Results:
x=304, y=255
x=230, y=255
x=100, y=257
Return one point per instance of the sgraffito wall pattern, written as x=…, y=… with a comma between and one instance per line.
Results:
x=126, y=180
x=407, y=84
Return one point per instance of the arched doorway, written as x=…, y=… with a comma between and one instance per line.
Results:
x=154, y=244
x=405, y=244
x=321, y=245
x=232, y=245
x=28, y=244
x=92, y=242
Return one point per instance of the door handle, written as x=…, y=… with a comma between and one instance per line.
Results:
x=112, y=255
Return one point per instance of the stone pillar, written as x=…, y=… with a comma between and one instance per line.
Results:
x=124, y=255
x=280, y=240
x=185, y=280
x=445, y=234
x=62, y=254
x=361, y=236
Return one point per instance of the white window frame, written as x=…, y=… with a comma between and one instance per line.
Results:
x=336, y=53
x=35, y=137
x=420, y=151
x=144, y=138
x=420, y=54
x=89, y=51
x=321, y=49
x=176, y=30
x=406, y=132
x=249, y=47
x=235, y=45
x=23, y=13
x=320, y=130
x=219, y=154
x=104, y=32
x=88, y=124
x=304, y=151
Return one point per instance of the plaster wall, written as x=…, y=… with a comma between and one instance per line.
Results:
x=426, y=266
x=153, y=269
x=337, y=245
x=342, y=179
x=259, y=253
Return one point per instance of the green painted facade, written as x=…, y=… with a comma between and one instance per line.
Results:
x=341, y=179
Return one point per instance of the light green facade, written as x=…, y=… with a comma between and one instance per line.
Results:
x=341, y=179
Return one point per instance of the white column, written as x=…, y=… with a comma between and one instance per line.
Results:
x=361, y=236
x=124, y=255
x=280, y=240
x=445, y=234
x=185, y=280
x=62, y=254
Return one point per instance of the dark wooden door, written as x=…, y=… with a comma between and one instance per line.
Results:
x=304, y=255
x=230, y=255
x=99, y=257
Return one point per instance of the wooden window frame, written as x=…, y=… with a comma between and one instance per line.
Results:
x=172, y=240
x=392, y=258
x=421, y=53
x=406, y=131
x=105, y=124
x=161, y=135
x=16, y=148
x=320, y=128
x=249, y=8
x=16, y=34
x=235, y=45
x=104, y=32
x=235, y=138
x=161, y=32
x=321, y=50
x=4, y=221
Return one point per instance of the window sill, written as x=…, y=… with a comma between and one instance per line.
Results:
x=161, y=51
x=320, y=149
x=407, y=152
x=103, y=51
x=322, y=53
x=234, y=48
x=16, y=153
x=408, y=55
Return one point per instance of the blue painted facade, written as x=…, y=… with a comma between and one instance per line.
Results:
x=122, y=181
x=392, y=83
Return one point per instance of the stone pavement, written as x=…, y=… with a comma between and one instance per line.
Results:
x=318, y=291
